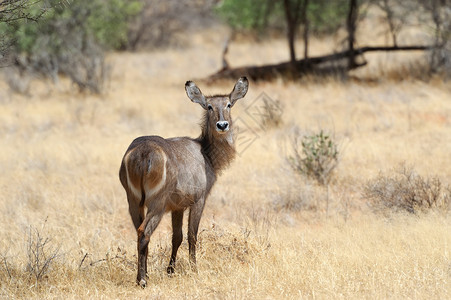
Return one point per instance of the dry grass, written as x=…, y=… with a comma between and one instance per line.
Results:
x=265, y=232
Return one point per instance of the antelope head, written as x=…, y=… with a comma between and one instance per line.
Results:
x=218, y=120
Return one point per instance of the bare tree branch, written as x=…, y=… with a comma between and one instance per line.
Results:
x=309, y=65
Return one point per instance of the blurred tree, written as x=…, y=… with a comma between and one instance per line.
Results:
x=293, y=15
x=439, y=11
x=71, y=39
x=393, y=20
x=12, y=12
x=255, y=15
x=434, y=16
x=326, y=17
x=160, y=22
x=319, y=17
x=351, y=25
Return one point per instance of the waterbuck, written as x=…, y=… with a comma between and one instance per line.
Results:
x=161, y=175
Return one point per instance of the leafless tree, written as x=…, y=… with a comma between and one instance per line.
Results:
x=440, y=13
x=295, y=14
x=351, y=24
x=394, y=24
x=161, y=20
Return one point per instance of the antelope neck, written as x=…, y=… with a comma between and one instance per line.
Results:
x=219, y=150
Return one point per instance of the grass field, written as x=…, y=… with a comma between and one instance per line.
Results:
x=266, y=232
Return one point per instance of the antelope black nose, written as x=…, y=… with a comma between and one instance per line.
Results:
x=222, y=125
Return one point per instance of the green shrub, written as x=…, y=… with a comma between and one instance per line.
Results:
x=317, y=158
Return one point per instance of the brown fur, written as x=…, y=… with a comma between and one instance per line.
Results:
x=161, y=175
x=219, y=151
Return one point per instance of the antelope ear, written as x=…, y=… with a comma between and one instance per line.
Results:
x=239, y=90
x=195, y=94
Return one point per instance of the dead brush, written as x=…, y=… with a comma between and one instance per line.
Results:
x=18, y=82
x=293, y=196
x=41, y=255
x=405, y=190
x=271, y=116
x=5, y=266
x=239, y=245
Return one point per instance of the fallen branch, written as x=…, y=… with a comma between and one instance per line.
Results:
x=303, y=66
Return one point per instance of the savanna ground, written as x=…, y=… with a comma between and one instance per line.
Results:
x=266, y=232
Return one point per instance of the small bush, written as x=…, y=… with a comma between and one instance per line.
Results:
x=405, y=190
x=41, y=255
x=295, y=197
x=315, y=157
x=271, y=116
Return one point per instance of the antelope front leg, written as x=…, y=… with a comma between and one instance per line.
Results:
x=195, y=214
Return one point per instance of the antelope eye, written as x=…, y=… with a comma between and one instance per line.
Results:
x=210, y=107
x=229, y=105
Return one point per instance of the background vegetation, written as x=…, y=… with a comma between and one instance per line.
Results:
x=370, y=229
x=69, y=38
x=325, y=16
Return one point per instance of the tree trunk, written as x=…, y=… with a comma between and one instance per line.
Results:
x=291, y=24
x=351, y=25
x=306, y=27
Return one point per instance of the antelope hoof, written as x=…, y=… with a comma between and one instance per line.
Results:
x=142, y=283
x=194, y=268
x=171, y=270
